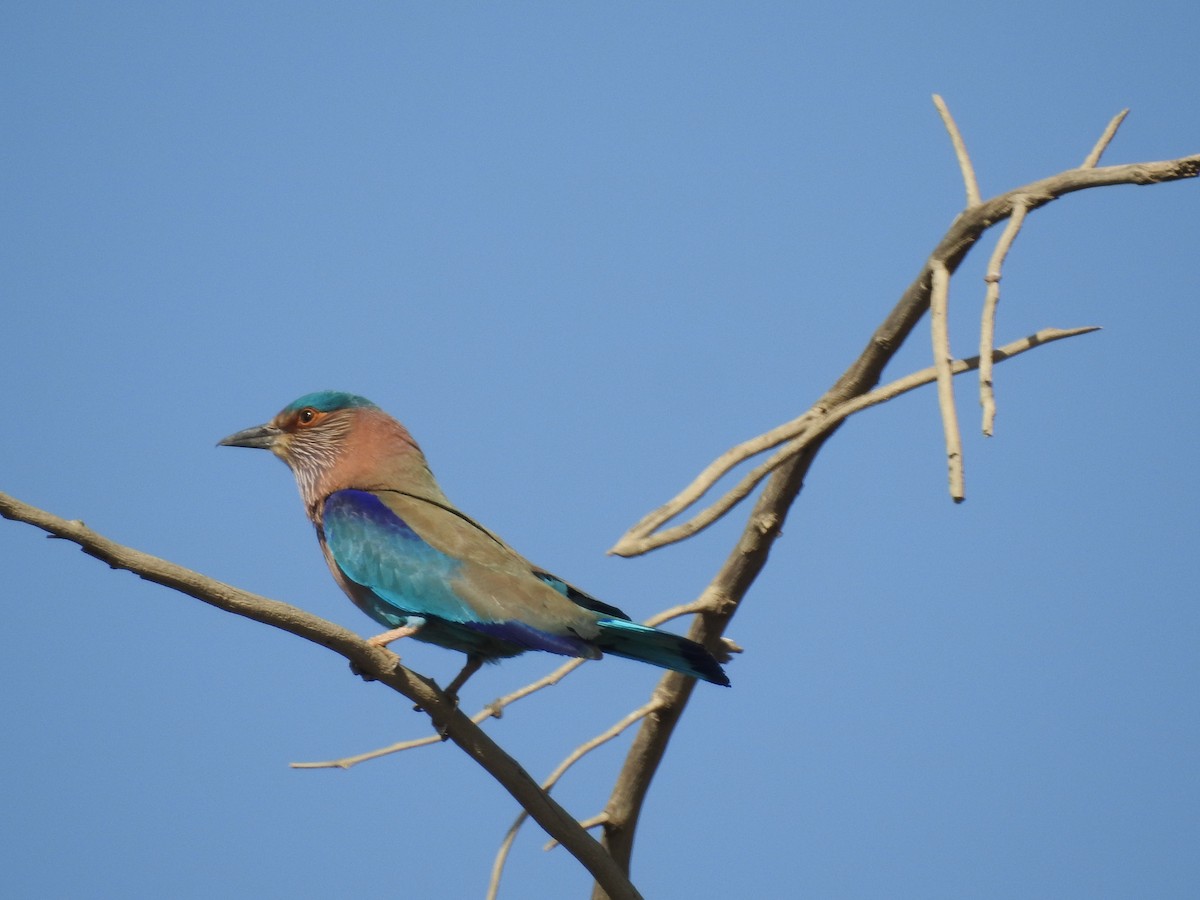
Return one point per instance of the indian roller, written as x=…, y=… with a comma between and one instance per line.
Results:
x=414, y=563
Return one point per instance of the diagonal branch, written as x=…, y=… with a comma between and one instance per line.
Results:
x=383, y=665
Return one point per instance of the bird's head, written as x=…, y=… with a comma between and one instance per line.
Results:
x=310, y=430
x=331, y=440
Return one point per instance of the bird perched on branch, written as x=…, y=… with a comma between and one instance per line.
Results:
x=412, y=562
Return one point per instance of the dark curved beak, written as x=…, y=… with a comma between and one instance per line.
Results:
x=260, y=437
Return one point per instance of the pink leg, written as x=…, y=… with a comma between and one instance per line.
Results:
x=382, y=640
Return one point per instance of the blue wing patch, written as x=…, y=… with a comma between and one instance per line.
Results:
x=377, y=549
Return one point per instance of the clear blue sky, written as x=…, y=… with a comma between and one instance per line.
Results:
x=580, y=249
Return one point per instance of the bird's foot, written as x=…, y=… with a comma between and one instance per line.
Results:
x=413, y=625
x=382, y=640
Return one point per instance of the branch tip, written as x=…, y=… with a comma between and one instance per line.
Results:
x=960, y=151
x=1110, y=131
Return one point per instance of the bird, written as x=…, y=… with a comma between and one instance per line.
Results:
x=416, y=564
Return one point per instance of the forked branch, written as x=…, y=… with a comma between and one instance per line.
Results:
x=863, y=374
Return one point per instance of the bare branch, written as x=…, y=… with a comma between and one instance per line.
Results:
x=577, y=754
x=960, y=151
x=613, y=731
x=1110, y=132
x=674, y=612
x=715, y=470
x=502, y=857
x=864, y=372
x=926, y=376
x=939, y=302
x=381, y=664
x=635, y=545
x=987, y=329
x=348, y=762
x=814, y=429
x=493, y=710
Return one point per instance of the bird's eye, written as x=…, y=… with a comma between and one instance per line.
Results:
x=306, y=416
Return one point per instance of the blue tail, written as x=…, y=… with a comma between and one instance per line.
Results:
x=659, y=648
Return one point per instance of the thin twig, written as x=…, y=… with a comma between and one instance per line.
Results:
x=943, y=360
x=675, y=612
x=717, y=469
x=577, y=754
x=960, y=151
x=928, y=375
x=510, y=836
x=1091, y=160
x=987, y=328
x=613, y=731
x=635, y=545
x=493, y=710
x=632, y=544
x=348, y=762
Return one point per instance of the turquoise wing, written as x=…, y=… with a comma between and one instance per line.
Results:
x=377, y=549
